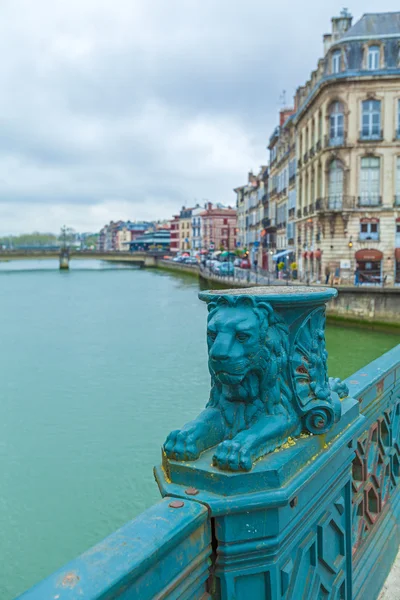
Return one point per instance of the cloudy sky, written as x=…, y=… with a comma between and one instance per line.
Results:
x=124, y=109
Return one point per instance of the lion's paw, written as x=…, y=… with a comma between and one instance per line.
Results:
x=232, y=456
x=181, y=445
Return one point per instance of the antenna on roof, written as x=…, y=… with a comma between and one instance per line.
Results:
x=282, y=99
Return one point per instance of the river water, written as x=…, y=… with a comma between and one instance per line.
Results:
x=97, y=365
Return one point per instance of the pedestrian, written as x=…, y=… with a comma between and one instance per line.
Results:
x=327, y=274
x=357, y=275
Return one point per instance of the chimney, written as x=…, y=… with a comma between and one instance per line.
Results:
x=339, y=27
x=284, y=114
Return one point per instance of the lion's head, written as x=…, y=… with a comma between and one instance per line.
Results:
x=247, y=337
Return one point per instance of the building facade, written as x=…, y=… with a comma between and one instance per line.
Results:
x=348, y=154
x=251, y=200
x=218, y=228
x=174, y=243
x=185, y=229
x=197, y=228
x=280, y=218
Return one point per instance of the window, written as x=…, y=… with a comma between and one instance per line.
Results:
x=336, y=62
x=398, y=118
x=369, y=230
x=335, y=185
x=397, y=195
x=370, y=181
x=373, y=58
x=336, y=122
x=371, y=119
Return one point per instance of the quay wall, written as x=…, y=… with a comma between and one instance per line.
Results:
x=374, y=305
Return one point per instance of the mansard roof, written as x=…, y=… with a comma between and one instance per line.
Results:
x=374, y=25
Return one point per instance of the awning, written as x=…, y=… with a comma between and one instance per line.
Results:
x=369, y=254
x=397, y=254
x=282, y=254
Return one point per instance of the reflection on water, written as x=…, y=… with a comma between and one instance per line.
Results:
x=77, y=264
x=97, y=366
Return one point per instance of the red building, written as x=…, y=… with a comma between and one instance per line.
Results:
x=174, y=244
x=219, y=228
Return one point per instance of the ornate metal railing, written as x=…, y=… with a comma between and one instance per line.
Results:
x=286, y=486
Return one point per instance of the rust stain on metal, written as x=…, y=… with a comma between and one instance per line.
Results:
x=191, y=491
x=379, y=386
x=354, y=382
x=176, y=504
x=70, y=580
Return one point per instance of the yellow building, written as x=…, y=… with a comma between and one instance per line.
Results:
x=348, y=154
x=185, y=230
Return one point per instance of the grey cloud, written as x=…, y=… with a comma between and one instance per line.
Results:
x=149, y=104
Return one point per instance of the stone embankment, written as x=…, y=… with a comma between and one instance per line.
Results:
x=374, y=305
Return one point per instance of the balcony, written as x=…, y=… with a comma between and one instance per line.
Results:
x=282, y=225
x=305, y=211
x=299, y=213
x=292, y=179
x=334, y=141
x=312, y=152
x=335, y=202
x=269, y=224
x=299, y=163
x=311, y=208
x=292, y=212
x=305, y=157
x=396, y=201
x=371, y=136
x=318, y=145
x=368, y=237
x=290, y=242
x=369, y=199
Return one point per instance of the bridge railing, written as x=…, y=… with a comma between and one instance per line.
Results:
x=318, y=518
x=164, y=553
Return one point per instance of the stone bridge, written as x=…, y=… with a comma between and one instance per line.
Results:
x=143, y=259
x=285, y=487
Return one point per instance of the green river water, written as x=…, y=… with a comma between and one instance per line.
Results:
x=97, y=365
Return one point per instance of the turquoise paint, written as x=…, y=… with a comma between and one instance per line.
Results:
x=269, y=379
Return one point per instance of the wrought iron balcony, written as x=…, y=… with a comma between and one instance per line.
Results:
x=371, y=136
x=369, y=199
x=269, y=223
x=305, y=211
x=299, y=163
x=337, y=140
x=335, y=202
x=305, y=157
x=312, y=152
x=318, y=145
x=292, y=212
x=292, y=179
x=298, y=213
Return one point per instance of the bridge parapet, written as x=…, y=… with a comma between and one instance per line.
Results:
x=299, y=515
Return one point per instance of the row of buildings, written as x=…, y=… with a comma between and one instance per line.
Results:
x=329, y=199
x=204, y=228
x=123, y=236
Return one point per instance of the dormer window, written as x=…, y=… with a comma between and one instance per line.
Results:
x=373, y=58
x=336, y=61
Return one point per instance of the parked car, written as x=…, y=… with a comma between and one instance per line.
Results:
x=245, y=264
x=190, y=260
x=225, y=269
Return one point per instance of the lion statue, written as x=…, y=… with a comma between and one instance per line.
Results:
x=251, y=410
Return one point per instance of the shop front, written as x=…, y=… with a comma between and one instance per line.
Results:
x=397, y=266
x=369, y=266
